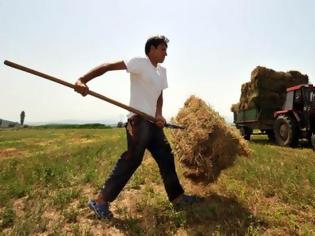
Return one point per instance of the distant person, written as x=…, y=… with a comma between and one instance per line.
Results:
x=22, y=118
x=147, y=80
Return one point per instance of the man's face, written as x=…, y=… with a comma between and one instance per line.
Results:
x=159, y=53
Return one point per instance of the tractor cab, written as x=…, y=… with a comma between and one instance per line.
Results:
x=297, y=118
x=298, y=96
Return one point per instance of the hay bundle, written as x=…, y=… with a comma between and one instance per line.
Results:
x=267, y=89
x=208, y=145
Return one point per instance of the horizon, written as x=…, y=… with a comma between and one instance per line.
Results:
x=73, y=121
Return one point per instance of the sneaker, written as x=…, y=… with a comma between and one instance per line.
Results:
x=185, y=200
x=101, y=210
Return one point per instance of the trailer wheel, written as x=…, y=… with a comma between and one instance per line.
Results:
x=246, y=132
x=285, y=130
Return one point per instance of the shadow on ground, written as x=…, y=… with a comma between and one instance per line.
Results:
x=302, y=143
x=214, y=214
x=221, y=214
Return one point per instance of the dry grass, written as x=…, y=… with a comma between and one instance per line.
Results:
x=208, y=145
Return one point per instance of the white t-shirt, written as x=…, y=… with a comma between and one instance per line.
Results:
x=146, y=84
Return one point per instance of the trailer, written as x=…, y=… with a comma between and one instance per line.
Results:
x=286, y=126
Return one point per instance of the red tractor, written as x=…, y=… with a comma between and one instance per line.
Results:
x=297, y=118
x=294, y=122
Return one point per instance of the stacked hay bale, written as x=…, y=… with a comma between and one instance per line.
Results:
x=267, y=89
x=208, y=145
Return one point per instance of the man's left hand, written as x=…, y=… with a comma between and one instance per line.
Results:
x=160, y=121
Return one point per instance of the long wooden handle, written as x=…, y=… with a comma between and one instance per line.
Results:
x=94, y=94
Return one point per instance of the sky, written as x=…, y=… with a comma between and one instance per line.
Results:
x=214, y=45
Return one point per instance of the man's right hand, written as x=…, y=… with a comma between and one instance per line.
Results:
x=81, y=87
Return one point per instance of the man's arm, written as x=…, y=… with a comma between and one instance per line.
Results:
x=80, y=85
x=160, y=120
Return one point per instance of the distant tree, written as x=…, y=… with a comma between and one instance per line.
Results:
x=22, y=117
x=120, y=124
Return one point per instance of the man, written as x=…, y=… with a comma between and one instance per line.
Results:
x=147, y=80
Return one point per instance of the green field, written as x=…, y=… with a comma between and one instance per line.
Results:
x=47, y=176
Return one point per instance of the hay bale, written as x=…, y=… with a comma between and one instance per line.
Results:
x=265, y=79
x=208, y=145
x=235, y=107
x=267, y=88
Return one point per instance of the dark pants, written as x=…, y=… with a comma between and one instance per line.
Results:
x=141, y=135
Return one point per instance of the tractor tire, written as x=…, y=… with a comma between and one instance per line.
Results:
x=246, y=132
x=285, y=130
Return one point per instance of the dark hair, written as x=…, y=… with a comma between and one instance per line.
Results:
x=155, y=41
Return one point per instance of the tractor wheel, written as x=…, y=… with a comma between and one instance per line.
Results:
x=285, y=130
x=246, y=132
